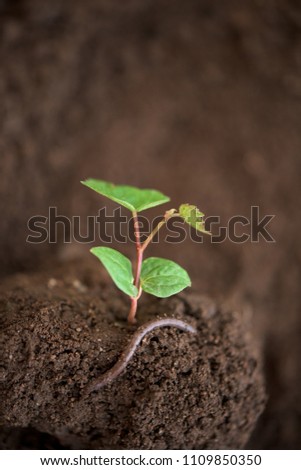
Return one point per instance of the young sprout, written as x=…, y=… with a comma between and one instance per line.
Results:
x=157, y=276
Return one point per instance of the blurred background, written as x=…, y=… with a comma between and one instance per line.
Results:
x=199, y=99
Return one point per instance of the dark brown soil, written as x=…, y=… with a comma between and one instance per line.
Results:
x=179, y=390
x=200, y=99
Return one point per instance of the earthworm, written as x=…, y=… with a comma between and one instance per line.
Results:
x=130, y=350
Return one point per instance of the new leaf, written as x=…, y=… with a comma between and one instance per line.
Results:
x=193, y=216
x=162, y=277
x=119, y=267
x=134, y=199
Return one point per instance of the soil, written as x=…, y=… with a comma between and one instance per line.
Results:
x=199, y=99
x=59, y=333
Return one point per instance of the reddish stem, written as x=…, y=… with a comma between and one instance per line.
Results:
x=140, y=247
x=134, y=300
x=133, y=310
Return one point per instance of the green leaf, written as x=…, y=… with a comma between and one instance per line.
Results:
x=162, y=277
x=193, y=216
x=119, y=267
x=132, y=198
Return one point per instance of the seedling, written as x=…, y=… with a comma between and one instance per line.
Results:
x=157, y=276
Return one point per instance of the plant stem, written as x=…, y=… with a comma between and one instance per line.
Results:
x=167, y=216
x=134, y=300
x=140, y=247
x=139, y=256
x=133, y=309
